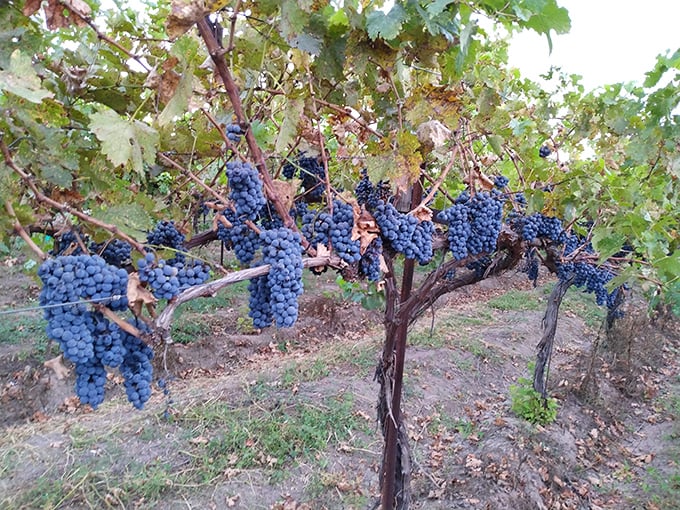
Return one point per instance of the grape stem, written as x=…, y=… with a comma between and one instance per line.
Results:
x=19, y=229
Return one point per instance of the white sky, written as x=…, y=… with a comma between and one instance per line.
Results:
x=610, y=41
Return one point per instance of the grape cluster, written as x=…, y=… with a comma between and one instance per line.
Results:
x=69, y=243
x=191, y=274
x=369, y=265
x=245, y=190
x=500, y=181
x=538, y=225
x=479, y=266
x=243, y=240
x=260, y=309
x=165, y=233
x=312, y=174
x=161, y=276
x=485, y=212
x=544, y=151
x=371, y=195
x=87, y=337
x=341, y=233
x=137, y=370
x=114, y=252
x=420, y=247
x=456, y=217
x=90, y=382
x=282, y=250
x=316, y=227
x=234, y=132
x=531, y=265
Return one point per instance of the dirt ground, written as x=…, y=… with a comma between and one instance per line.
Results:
x=615, y=443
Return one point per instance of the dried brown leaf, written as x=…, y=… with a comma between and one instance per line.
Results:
x=57, y=366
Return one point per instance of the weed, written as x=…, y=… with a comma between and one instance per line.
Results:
x=527, y=403
x=296, y=373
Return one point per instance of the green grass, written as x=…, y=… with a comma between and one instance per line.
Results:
x=517, y=300
x=21, y=329
x=296, y=372
x=186, y=330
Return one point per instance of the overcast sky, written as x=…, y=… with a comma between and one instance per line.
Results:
x=610, y=41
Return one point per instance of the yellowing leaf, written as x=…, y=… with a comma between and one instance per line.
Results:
x=125, y=141
x=22, y=80
x=183, y=15
x=179, y=102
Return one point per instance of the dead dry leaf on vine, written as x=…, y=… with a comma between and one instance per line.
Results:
x=57, y=366
x=138, y=296
x=64, y=13
x=285, y=190
x=184, y=14
x=365, y=228
x=422, y=213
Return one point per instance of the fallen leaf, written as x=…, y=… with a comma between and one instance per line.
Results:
x=57, y=366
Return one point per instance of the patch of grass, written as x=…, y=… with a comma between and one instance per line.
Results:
x=22, y=329
x=426, y=337
x=296, y=373
x=186, y=330
x=246, y=438
x=516, y=300
x=227, y=297
x=663, y=488
x=583, y=304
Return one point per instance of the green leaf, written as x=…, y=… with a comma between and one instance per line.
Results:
x=130, y=218
x=607, y=242
x=177, y=106
x=125, y=141
x=496, y=143
x=388, y=26
x=22, y=80
x=291, y=119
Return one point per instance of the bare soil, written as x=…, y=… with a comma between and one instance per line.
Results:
x=614, y=444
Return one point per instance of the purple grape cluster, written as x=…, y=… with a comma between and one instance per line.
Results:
x=369, y=265
x=239, y=238
x=136, y=368
x=316, y=227
x=369, y=194
x=191, y=274
x=69, y=242
x=165, y=233
x=245, y=190
x=312, y=173
x=160, y=276
x=539, y=225
x=341, y=233
x=500, y=181
x=485, y=212
x=456, y=217
x=115, y=252
x=87, y=337
x=282, y=250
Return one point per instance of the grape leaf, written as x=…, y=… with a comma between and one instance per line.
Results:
x=22, y=80
x=179, y=102
x=387, y=26
x=130, y=218
x=291, y=119
x=125, y=141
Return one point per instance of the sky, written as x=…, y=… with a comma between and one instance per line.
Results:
x=610, y=41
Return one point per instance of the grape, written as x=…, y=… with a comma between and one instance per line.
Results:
x=108, y=341
x=369, y=265
x=191, y=274
x=369, y=195
x=260, y=310
x=243, y=240
x=68, y=243
x=544, y=151
x=532, y=265
x=115, y=252
x=479, y=266
x=500, y=181
x=316, y=227
x=165, y=233
x=281, y=248
x=456, y=217
x=90, y=382
x=137, y=370
x=538, y=225
x=341, y=233
x=312, y=174
x=161, y=277
x=245, y=190
x=234, y=132
x=485, y=213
